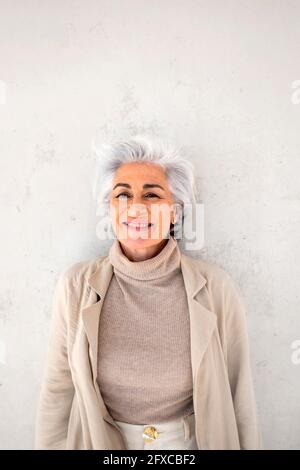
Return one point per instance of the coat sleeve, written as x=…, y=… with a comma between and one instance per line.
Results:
x=239, y=369
x=57, y=389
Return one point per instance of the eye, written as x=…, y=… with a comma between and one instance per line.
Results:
x=146, y=195
x=151, y=194
x=122, y=194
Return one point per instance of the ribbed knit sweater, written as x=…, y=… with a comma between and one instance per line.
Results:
x=144, y=356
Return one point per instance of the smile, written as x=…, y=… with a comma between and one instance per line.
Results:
x=138, y=226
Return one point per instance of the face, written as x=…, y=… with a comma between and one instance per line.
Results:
x=140, y=194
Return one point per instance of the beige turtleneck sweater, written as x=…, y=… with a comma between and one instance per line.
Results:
x=144, y=356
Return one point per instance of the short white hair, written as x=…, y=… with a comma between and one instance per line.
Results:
x=179, y=171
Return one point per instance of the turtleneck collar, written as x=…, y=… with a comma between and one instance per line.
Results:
x=166, y=261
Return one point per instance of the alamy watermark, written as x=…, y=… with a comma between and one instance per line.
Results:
x=295, y=357
x=188, y=226
x=295, y=97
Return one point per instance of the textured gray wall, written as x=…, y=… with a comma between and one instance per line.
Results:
x=221, y=78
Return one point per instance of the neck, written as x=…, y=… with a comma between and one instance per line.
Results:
x=163, y=263
x=141, y=254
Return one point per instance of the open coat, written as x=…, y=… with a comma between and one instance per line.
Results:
x=71, y=413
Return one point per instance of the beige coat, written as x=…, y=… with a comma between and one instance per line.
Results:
x=71, y=412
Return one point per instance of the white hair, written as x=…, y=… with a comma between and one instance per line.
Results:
x=144, y=148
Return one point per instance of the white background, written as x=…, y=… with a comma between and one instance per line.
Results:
x=215, y=76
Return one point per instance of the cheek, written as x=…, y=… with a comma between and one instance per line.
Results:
x=160, y=212
x=117, y=210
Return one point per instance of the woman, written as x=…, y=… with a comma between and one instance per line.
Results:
x=166, y=365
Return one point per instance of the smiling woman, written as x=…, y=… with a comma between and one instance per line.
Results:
x=144, y=187
x=149, y=346
x=143, y=219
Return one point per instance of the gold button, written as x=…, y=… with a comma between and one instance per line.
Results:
x=150, y=433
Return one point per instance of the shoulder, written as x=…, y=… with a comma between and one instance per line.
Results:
x=76, y=274
x=214, y=274
x=221, y=290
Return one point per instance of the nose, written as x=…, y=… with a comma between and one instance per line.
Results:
x=137, y=208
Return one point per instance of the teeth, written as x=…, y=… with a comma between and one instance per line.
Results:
x=138, y=225
x=134, y=225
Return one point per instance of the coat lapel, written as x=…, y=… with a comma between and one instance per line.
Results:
x=202, y=320
x=98, y=282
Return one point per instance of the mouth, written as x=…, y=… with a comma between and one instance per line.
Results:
x=138, y=227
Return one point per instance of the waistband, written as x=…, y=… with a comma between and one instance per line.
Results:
x=163, y=427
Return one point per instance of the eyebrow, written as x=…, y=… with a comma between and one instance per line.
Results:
x=145, y=186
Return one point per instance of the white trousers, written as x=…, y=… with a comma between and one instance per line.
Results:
x=174, y=435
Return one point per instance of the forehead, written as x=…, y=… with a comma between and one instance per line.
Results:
x=139, y=171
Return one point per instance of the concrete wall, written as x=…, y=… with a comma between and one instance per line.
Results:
x=221, y=78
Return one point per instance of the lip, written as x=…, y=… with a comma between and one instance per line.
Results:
x=138, y=226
